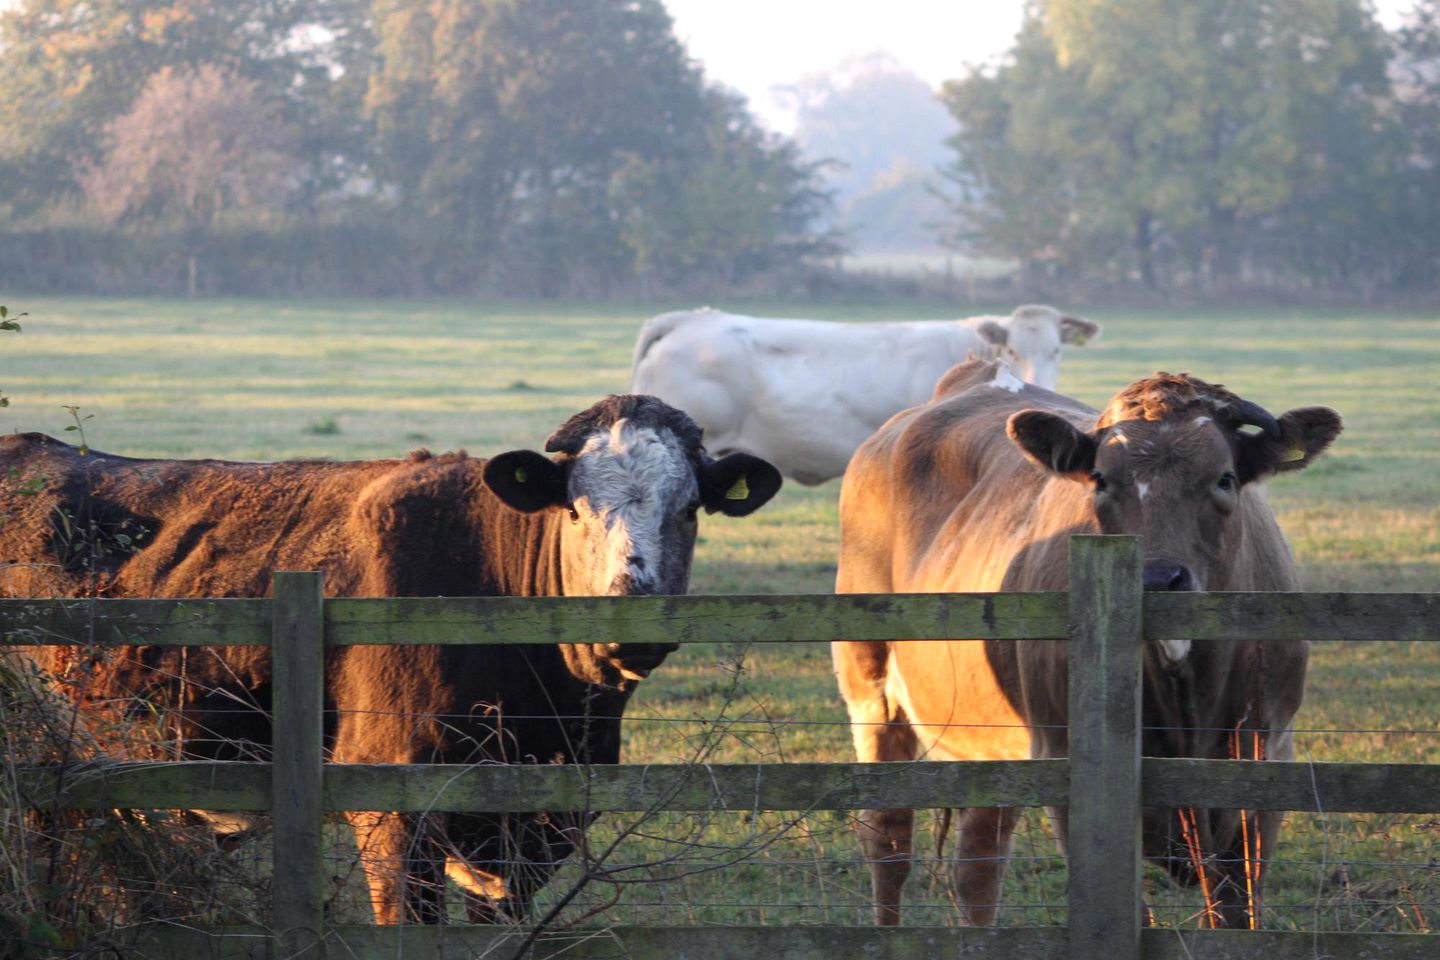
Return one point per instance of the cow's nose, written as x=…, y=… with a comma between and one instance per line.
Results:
x=632, y=583
x=636, y=660
x=1168, y=576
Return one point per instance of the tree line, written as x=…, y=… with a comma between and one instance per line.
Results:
x=572, y=147
x=1224, y=146
x=541, y=147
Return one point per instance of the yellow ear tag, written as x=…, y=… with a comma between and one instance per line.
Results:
x=520, y=475
x=1080, y=340
x=738, y=490
x=1293, y=454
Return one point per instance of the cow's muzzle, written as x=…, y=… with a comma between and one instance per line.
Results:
x=1160, y=575
x=633, y=583
x=636, y=660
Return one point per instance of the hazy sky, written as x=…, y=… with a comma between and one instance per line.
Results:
x=754, y=45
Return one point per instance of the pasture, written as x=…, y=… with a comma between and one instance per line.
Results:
x=271, y=380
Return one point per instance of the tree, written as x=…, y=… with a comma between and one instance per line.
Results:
x=882, y=130
x=1417, y=225
x=195, y=145
x=735, y=202
x=496, y=116
x=869, y=113
x=1179, y=134
x=513, y=127
x=1015, y=187
x=73, y=66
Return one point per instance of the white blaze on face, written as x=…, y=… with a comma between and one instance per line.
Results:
x=1033, y=345
x=1174, y=650
x=1005, y=380
x=630, y=486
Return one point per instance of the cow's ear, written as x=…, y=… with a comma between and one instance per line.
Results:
x=1053, y=443
x=1077, y=330
x=738, y=484
x=1304, y=435
x=526, y=480
x=992, y=332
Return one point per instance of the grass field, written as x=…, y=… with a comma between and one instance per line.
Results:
x=269, y=380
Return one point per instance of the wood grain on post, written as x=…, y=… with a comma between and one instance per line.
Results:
x=298, y=664
x=1106, y=595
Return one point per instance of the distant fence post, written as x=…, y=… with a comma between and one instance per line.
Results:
x=298, y=665
x=1106, y=593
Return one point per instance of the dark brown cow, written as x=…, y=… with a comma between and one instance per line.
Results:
x=614, y=513
x=980, y=490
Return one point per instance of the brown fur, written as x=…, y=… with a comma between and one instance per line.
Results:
x=980, y=490
x=428, y=525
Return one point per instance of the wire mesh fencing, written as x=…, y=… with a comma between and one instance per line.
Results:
x=713, y=705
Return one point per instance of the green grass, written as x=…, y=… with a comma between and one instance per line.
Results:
x=270, y=380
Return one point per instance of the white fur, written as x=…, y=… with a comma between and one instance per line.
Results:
x=631, y=479
x=1175, y=650
x=1144, y=489
x=1005, y=380
x=804, y=394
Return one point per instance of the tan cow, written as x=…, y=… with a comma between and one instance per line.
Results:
x=980, y=490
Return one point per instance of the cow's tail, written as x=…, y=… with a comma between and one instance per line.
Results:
x=656, y=329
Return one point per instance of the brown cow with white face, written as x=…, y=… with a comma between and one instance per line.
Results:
x=614, y=512
x=980, y=490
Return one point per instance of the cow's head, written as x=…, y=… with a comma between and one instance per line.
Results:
x=628, y=482
x=1170, y=459
x=1030, y=341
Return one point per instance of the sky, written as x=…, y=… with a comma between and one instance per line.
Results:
x=755, y=46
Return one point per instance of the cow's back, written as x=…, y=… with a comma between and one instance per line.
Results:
x=940, y=500
x=100, y=525
x=116, y=526
x=801, y=393
x=695, y=361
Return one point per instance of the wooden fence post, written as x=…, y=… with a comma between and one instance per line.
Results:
x=298, y=683
x=1106, y=592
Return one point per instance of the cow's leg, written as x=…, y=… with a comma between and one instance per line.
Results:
x=1262, y=835
x=501, y=861
x=402, y=869
x=881, y=732
x=981, y=848
x=1240, y=870
x=1269, y=837
x=886, y=840
x=487, y=895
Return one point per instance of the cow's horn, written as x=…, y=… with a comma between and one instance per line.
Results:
x=1255, y=415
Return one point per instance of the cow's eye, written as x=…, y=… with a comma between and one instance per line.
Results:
x=692, y=512
x=574, y=514
x=1227, y=483
x=1098, y=479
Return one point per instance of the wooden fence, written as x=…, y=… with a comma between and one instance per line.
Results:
x=1106, y=617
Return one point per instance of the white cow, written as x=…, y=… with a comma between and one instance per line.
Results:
x=804, y=394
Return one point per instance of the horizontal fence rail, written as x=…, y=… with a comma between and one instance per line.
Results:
x=1316, y=787
x=1105, y=617
x=700, y=619
x=790, y=943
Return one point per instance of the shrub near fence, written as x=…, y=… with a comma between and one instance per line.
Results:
x=1106, y=617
